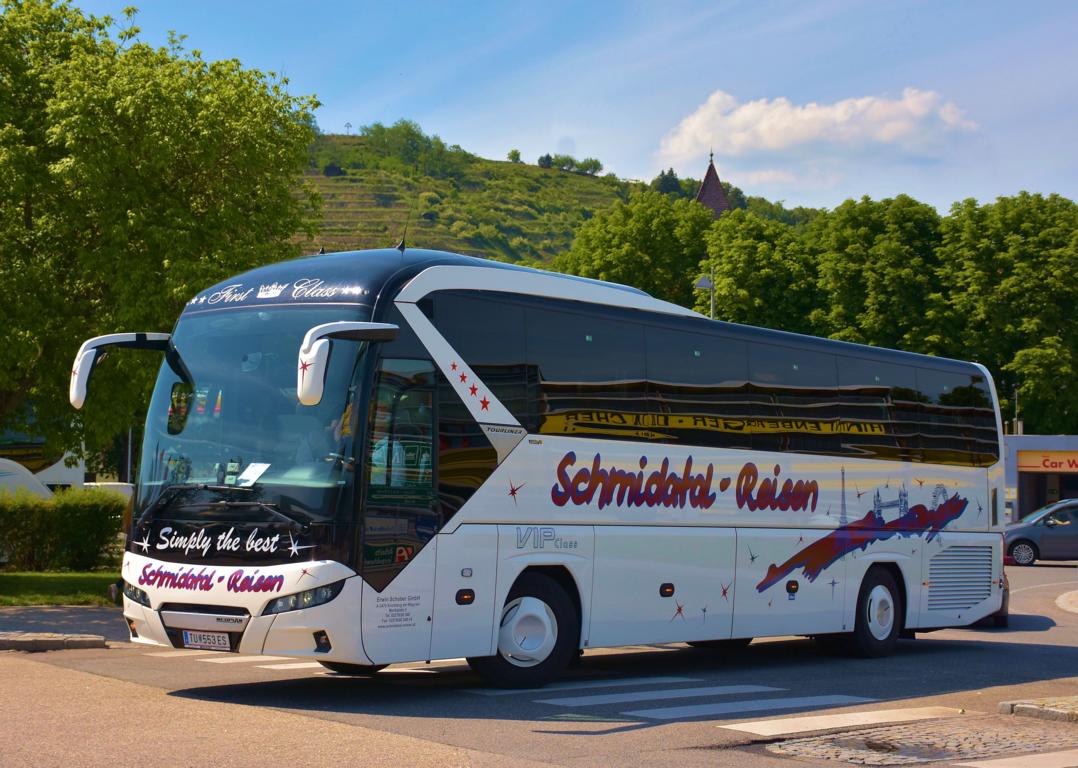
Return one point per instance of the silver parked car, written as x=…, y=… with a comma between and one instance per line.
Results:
x=1050, y=533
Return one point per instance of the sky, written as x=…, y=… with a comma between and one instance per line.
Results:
x=806, y=102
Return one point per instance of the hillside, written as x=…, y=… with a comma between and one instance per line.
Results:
x=507, y=211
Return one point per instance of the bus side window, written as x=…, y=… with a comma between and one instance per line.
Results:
x=489, y=335
x=698, y=387
x=591, y=374
x=797, y=392
x=868, y=391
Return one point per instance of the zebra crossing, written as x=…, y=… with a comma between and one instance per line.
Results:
x=717, y=700
x=656, y=698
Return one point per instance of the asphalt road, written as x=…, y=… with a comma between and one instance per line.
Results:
x=646, y=706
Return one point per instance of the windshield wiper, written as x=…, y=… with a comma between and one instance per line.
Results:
x=297, y=518
x=171, y=492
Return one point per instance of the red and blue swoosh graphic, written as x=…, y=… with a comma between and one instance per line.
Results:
x=817, y=556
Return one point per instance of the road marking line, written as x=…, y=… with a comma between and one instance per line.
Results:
x=1041, y=586
x=575, y=685
x=297, y=665
x=243, y=659
x=666, y=693
x=1067, y=759
x=730, y=707
x=790, y=725
x=176, y=654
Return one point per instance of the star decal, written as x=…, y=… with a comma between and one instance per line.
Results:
x=680, y=611
x=752, y=556
x=294, y=547
x=145, y=543
x=463, y=376
x=833, y=584
x=303, y=366
x=514, y=488
x=800, y=539
x=485, y=403
x=305, y=572
x=726, y=591
x=769, y=603
x=473, y=389
x=452, y=366
x=704, y=611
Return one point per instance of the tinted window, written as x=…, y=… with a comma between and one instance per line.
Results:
x=797, y=393
x=879, y=407
x=400, y=515
x=465, y=457
x=590, y=373
x=489, y=335
x=958, y=423
x=698, y=387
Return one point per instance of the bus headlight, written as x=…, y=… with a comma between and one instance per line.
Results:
x=306, y=599
x=133, y=593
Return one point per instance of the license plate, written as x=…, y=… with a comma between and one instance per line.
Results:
x=210, y=641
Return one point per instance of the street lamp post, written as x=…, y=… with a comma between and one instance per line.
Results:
x=706, y=283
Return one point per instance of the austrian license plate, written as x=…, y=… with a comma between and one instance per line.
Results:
x=210, y=641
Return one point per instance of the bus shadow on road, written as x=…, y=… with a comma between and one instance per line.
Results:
x=796, y=668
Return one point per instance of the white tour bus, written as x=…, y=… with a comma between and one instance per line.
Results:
x=470, y=459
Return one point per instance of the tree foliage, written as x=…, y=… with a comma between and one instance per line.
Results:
x=513, y=156
x=763, y=273
x=130, y=178
x=652, y=241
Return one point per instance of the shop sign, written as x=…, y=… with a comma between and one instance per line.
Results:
x=1048, y=461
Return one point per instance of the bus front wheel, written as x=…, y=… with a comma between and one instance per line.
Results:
x=537, y=635
x=879, y=615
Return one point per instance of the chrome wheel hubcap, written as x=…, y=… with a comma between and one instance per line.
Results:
x=880, y=612
x=1022, y=554
x=528, y=632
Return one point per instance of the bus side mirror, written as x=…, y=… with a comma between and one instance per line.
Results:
x=91, y=353
x=314, y=353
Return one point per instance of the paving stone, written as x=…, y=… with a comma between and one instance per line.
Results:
x=1063, y=708
x=965, y=738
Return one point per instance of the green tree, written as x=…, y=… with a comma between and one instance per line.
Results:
x=653, y=242
x=590, y=166
x=545, y=161
x=877, y=269
x=763, y=275
x=667, y=183
x=130, y=178
x=564, y=162
x=1008, y=270
x=513, y=156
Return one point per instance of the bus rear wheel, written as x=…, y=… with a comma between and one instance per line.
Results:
x=537, y=636
x=342, y=668
x=879, y=616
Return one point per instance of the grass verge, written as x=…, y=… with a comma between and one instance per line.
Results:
x=55, y=588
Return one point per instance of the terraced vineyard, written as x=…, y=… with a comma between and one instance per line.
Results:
x=500, y=210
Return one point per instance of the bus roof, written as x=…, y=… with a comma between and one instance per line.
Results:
x=360, y=277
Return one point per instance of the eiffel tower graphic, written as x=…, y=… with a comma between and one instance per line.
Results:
x=842, y=519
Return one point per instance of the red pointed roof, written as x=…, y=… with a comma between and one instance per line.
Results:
x=711, y=192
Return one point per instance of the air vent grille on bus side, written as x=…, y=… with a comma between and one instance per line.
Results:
x=959, y=578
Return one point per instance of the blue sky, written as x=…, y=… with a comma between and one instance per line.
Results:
x=810, y=103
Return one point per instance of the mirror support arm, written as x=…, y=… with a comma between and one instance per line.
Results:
x=92, y=351
x=314, y=353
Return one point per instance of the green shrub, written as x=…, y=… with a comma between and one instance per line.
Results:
x=73, y=529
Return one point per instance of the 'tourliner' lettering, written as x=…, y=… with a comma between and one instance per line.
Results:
x=659, y=488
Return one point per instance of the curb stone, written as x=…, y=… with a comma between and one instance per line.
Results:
x=1063, y=708
x=47, y=641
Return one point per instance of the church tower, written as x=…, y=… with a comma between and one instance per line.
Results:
x=711, y=192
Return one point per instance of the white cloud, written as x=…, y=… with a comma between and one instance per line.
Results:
x=732, y=128
x=766, y=176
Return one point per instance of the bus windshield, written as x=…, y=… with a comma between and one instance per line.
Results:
x=226, y=438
